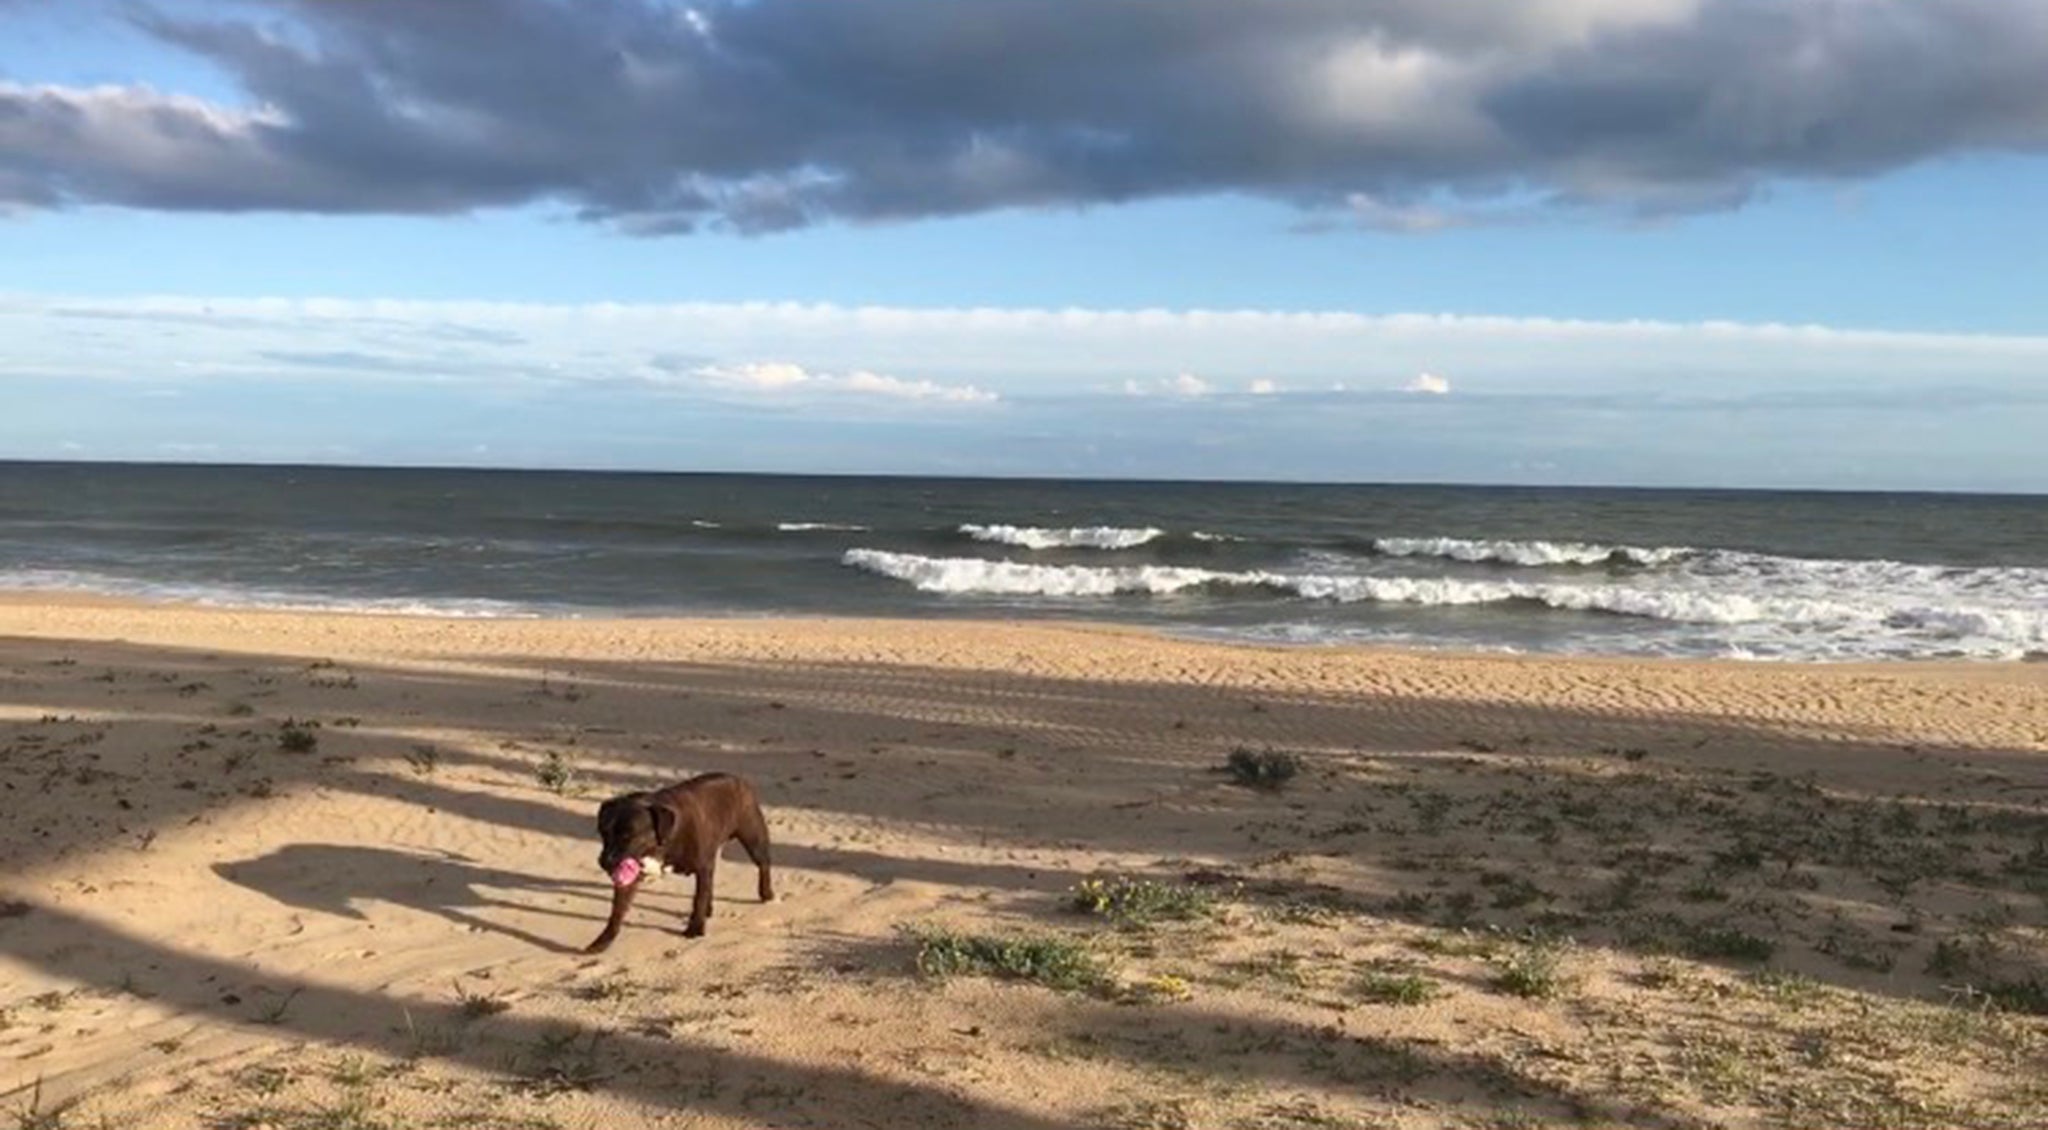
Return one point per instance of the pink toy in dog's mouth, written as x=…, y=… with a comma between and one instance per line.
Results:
x=626, y=873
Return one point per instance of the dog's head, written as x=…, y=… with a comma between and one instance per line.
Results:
x=633, y=826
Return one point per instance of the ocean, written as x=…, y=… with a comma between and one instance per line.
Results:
x=1735, y=574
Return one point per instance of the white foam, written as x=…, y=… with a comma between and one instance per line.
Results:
x=1769, y=607
x=1529, y=553
x=1072, y=537
x=226, y=596
x=800, y=527
x=1204, y=535
x=1015, y=578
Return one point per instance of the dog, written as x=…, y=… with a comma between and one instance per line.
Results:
x=680, y=828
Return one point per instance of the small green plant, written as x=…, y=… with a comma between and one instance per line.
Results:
x=1262, y=769
x=264, y=1080
x=475, y=1006
x=1625, y=892
x=1138, y=903
x=1160, y=987
x=1147, y=1114
x=424, y=759
x=1410, y=904
x=1322, y=913
x=1794, y=989
x=355, y=1110
x=1431, y=811
x=1660, y=973
x=1381, y=986
x=1712, y=943
x=1742, y=856
x=273, y=1013
x=617, y=987
x=570, y=692
x=1952, y=957
x=2029, y=996
x=1532, y=969
x=351, y=1071
x=1703, y=890
x=1052, y=960
x=554, y=1070
x=1286, y=967
x=294, y=736
x=1511, y=891
x=554, y=773
x=1458, y=908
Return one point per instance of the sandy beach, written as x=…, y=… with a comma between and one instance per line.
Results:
x=297, y=870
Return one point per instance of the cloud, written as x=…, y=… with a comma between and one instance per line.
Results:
x=1428, y=383
x=767, y=376
x=940, y=355
x=1185, y=385
x=1264, y=386
x=759, y=115
x=619, y=386
x=778, y=376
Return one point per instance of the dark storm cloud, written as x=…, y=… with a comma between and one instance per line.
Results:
x=659, y=117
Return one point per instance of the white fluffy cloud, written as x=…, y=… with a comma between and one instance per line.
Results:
x=1185, y=385
x=1428, y=383
x=781, y=376
x=763, y=375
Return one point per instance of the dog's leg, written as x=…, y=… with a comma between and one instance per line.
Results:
x=700, y=903
x=753, y=835
x=622, y=898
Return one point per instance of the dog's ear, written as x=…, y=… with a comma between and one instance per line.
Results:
x=665, y=821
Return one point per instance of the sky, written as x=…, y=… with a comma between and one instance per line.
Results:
x=1742, y=243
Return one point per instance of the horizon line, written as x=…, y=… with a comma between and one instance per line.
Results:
x=1135, y=480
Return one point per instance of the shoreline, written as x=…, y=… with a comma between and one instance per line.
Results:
x=22, y=607
x=2006, y=703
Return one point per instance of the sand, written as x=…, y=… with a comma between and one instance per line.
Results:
x=294, y=870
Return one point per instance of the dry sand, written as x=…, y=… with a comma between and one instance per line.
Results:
x=1793, y=895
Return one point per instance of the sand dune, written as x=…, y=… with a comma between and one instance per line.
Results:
x=1794, y=895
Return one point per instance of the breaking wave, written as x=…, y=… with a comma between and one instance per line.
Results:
x=1072, y=537
x=1535, y=554
x=1996, y=610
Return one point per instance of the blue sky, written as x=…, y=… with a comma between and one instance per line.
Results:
x=1670, y=242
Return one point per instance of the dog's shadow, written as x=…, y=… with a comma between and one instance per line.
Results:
x=338, y=879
